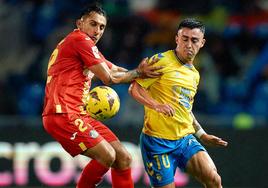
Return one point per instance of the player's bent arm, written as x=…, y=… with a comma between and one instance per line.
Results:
x=142, y=96
x=115, y=75
x=116, y=68
x=199, y=131
x=144, y=70
x=102, y=72
x=122, y=75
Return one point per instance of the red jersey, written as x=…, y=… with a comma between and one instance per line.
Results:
x=68, y=76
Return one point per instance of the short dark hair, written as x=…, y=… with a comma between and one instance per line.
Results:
x=95, y=7
x=192, y=23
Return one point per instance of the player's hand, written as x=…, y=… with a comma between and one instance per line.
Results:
x=165, y=109
x=214, y=141
x=147, y=70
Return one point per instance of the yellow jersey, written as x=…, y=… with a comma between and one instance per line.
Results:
x=176, y=87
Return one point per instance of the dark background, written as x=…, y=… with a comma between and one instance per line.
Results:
x=232, y=99
x=243, y=164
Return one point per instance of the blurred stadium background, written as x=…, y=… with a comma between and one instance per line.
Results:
x=233, y=94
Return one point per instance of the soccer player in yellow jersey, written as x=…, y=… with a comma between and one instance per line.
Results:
x=167, y=140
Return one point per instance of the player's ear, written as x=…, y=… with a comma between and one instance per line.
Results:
x=203, y=42
x=78, y=23
x=177, y=39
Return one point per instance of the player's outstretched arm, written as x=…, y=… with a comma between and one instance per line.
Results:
x=144, y=70
x=117, y=74
x=207, y=139
x=141, y=95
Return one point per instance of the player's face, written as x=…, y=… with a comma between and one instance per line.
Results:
x=189, y=41
x=93, y=25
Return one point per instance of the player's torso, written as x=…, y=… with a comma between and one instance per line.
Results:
x=177, y=87
x=68, y=80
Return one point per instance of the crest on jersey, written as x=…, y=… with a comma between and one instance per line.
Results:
x=93, y=134
x=96, y=52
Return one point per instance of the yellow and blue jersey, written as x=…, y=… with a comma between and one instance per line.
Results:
x=176, y=87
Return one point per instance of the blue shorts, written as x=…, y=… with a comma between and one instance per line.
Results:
x=161, y=157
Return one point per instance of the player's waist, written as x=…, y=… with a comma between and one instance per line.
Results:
x=166, y=135
x=53, y=107
x=167, y=127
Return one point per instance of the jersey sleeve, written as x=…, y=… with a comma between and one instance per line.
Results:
x=145, y=83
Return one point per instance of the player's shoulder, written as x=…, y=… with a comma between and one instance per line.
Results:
x=77, y=35
x=161, y=55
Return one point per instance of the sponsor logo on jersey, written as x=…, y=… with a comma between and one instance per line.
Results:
x=177, y=74
x=74, y=135
x=95, y=52
x=93, y=134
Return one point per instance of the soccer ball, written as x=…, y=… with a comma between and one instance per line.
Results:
x=102, y=103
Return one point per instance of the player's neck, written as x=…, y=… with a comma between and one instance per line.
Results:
x=183, y=61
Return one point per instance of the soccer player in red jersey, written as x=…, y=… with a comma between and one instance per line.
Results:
x=71, y=67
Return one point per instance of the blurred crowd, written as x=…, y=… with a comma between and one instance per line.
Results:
x=233, y=64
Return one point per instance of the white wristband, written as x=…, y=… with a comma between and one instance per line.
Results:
x=199, y=133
